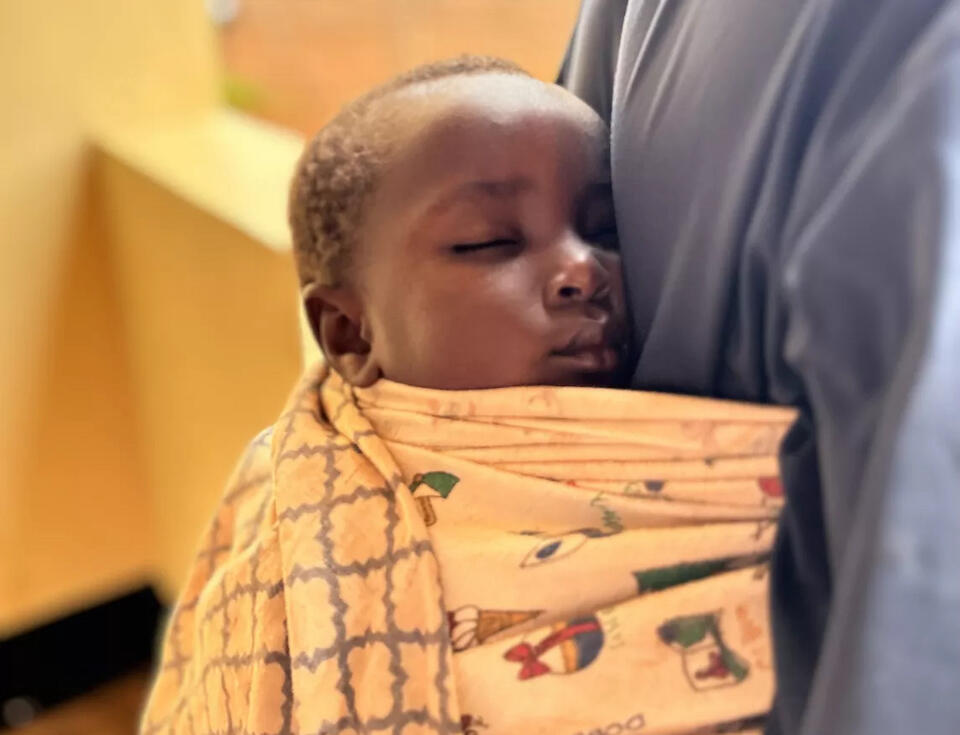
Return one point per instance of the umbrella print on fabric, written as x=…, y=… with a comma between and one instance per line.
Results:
x=431, y=486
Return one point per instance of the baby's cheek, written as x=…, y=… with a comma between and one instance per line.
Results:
x=614, y=265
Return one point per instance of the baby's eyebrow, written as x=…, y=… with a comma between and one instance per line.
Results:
x=487, y=188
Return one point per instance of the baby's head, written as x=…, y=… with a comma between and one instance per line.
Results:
x=454, y=229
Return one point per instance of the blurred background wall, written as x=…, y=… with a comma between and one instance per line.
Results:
x=148, y=315
x=296, y=61
x=74, y=521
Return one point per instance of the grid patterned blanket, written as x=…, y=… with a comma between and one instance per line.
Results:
x=537, y=560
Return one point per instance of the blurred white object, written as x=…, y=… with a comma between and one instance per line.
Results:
x=222, y=12
x=18, y=711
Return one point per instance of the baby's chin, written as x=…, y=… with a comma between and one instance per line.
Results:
x=613, y=375
x=585, y=380
x=617, y=379
x=552, y=371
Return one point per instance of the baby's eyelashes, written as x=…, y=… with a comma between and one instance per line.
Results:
x=487, y=245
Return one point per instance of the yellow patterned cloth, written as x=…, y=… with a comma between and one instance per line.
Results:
x=522, y=560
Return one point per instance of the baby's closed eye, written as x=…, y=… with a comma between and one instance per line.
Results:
x=467, y=248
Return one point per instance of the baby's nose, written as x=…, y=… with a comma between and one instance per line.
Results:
x=578, y=276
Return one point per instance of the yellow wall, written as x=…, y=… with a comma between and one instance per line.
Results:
x=214, y=341
x=73, y=505
x=75, y=523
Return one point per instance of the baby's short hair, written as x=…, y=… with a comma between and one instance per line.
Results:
x=338, y=169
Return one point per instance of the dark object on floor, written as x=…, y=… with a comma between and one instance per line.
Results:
x=71, y=656
x=111, y=709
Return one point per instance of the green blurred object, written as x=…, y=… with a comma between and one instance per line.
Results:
x=242, y=94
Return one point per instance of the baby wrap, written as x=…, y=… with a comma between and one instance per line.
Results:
x=519, y=560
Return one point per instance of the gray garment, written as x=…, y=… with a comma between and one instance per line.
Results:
x=787, y=184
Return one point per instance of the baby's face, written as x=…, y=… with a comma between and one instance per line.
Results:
x=488, y=253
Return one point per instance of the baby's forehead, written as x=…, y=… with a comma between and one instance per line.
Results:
x=495, y=91
x=463, y=102
x=463, y=140
x=483, y=122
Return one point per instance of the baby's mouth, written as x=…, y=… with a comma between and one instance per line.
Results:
x=593, y=348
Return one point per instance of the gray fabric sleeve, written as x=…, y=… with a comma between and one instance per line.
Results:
x=591, y=58
x=872, y=292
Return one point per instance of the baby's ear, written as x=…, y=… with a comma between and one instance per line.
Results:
x=336, y=319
